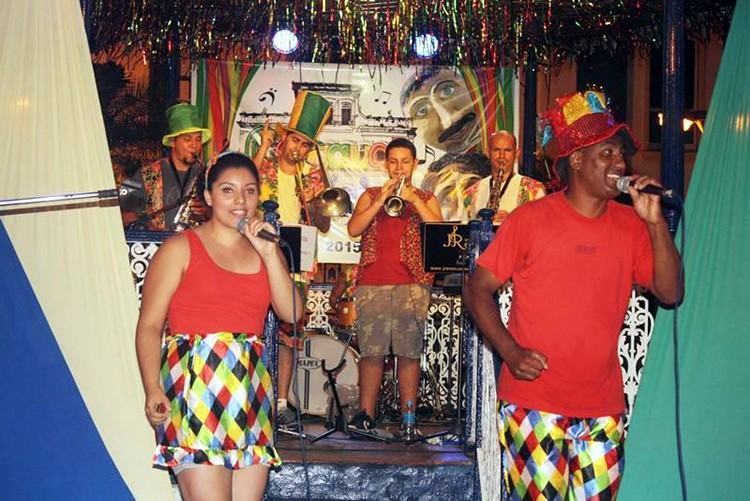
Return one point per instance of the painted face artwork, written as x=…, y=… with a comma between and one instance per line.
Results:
x=442, y=109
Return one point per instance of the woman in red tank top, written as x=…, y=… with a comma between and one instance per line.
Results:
x=208, y=392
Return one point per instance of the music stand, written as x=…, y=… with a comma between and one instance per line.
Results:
x=444, y=250
x=339, y=423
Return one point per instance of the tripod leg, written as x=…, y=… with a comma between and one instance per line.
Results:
x=432, y=381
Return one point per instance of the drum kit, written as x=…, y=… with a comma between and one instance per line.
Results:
x=319, y=349
x=328, y=378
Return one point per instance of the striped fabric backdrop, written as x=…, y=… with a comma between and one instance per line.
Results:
x=491, y=91
x=219, y=88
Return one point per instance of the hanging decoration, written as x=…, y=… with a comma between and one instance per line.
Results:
x=383, y=32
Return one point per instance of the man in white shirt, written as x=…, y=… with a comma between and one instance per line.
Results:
x=504, y=189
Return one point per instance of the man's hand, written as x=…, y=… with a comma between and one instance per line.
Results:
x=312, y=185
x=500, y=216
x=198, y=210
x=525, y=364
x=266, y=135
x=388, y=189
x=648, y=207
x=409, y=194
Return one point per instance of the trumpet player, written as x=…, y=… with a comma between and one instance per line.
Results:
x=169, y=183
x=393, y=290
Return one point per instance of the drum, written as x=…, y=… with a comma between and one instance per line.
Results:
x=311, y=380
x=346, y=313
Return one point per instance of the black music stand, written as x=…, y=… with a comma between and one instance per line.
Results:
x=339, y=422
x=445, y=250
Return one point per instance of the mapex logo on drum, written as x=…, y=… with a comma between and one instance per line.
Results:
x=308, y=363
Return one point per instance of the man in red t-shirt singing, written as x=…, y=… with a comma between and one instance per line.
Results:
x=573, y=258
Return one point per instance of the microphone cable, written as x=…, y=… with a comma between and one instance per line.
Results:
x=294, y=386
x=678, y=201
x=676, y=366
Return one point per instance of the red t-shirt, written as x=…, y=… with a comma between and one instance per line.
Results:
x=572, y=278
x=388, y=269
x=212, y=299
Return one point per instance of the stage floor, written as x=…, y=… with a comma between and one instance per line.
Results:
x=339, y=448
x=339, y=467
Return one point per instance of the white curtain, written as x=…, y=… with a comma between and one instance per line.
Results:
x=52, y=141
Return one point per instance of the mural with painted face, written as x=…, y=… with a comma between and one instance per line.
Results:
x=441, y=107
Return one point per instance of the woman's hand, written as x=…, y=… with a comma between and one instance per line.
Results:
x=157, y=407
x=251, y=229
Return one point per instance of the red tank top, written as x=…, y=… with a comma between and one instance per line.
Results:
x=212, y=299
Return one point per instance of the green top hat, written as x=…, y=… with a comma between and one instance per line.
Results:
x=310, y=113
x=184, y=118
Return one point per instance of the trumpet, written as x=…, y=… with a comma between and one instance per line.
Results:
x=394, y=205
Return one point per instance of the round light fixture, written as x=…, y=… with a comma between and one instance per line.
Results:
x=426, y=45
x=285, y=41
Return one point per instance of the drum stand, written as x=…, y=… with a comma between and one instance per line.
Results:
x=430, y=374
x=339, y=423
x=432, y=381
x=388, y=403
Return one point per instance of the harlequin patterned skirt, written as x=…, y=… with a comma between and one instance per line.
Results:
x=221, y=402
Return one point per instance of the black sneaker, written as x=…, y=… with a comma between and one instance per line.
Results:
x=362, y=422
x=287, y=419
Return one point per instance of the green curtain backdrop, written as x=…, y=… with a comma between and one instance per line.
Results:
x=714, y=321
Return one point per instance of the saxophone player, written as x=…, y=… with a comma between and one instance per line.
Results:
x=170, y=185
x=504, y=189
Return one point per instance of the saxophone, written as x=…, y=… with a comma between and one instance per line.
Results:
x=184, y=218
x=495, y=195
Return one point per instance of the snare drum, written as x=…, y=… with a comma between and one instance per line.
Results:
x=311, y=380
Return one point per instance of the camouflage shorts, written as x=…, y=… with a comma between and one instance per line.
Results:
x=391, y=316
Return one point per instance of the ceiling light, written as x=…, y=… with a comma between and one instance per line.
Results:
x=285, y=41
x=426, y=45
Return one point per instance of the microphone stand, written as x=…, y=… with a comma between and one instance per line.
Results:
x=64, y=197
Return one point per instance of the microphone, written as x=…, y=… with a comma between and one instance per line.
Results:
x=263, y=233
x=624, y=182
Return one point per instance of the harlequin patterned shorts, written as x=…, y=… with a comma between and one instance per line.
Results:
x=547, y=456
x=221, y=402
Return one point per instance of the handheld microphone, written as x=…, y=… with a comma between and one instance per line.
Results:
x=263, y=233
x=624, y=182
